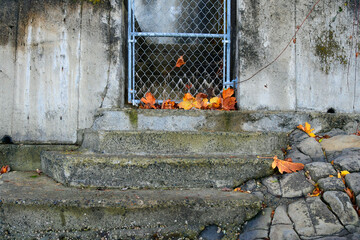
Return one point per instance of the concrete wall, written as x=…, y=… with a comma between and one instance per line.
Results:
x=317, y=72
x=60, y=60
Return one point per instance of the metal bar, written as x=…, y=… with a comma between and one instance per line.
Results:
x=228, y=40
x=199, y=35
x=129, y=50
x=133, y=52
x=224, y=42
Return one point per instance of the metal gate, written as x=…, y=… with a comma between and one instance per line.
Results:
x=178, y=46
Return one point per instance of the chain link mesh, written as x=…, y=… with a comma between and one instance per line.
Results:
x=155, y=57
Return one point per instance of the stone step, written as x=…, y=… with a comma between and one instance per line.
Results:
x=162, y=142
x=153, y=171
x=36, y=207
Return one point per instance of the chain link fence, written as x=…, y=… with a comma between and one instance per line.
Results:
x=162, y=31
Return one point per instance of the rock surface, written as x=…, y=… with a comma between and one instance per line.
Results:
x=295, y=185
x=340, y=142
x=296, y=215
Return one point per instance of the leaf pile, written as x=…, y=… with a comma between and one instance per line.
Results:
x=224, y=102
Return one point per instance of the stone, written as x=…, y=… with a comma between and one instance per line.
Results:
x=297, y=136
x=212, y=232
x=334, y=132
x=273, y=185
x=283, y=232
x=250, y=185
x=319, y=170
x=295, y=185
x=358, y=200
x=324, y=221
x=333, y=238
x=340, y=142
x=351, y=127
x=353, y=181
x=281, y=217
x=260, y=222
x=298, y=157
x=341, y=205
x=349, y=161
x=254, y=235
x=331, y=184
x=300, y=216
x=258, y=227
x=312, y=148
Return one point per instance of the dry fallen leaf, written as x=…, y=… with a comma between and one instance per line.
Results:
x=344, y=173
x=240, y=190
x=215, y=103
x=351, y=194
x=149, y=101
x=286, y=166
x=5, y=169
x=168, y=104
x=307, y=129
x=180, y=62
x=188, y=102
x=201, y=101
x=316, y=192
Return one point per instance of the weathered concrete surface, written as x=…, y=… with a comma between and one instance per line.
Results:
x=163, y=142
x=47, y=209
x=264, y=29
x=223, y=121
x=59, y=62
x=325, y=62
x=174, y=171
x=321, y=62
x=27, y=157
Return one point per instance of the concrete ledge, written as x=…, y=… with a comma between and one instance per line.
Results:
x=223, y=121
x=126, y=171
x=163, y=142
x=27, y=157
x=38, y=208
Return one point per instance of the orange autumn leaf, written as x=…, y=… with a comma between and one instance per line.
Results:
x=201, y=101
x=307, y=129
x=149, y=101
x=180, y=62
x=351, y=194
x=227, y=93
x=4, y=169
x=168, y=104
x=188, y=102
x=357, y=54
x=215, y=103
x=240, y=190
x=272, y=214
x=229, y=103
x=316, y=192
x=286, y=166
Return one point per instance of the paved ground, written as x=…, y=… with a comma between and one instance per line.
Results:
x=290, y=212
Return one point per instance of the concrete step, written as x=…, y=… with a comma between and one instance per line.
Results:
x=163, y=142
x=36, y=207
x=153, y=171
x=222, y=121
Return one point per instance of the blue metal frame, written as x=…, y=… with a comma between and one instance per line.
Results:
x=132, y=34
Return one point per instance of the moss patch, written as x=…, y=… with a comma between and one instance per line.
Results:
x=133, y=117
x=329, y=51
